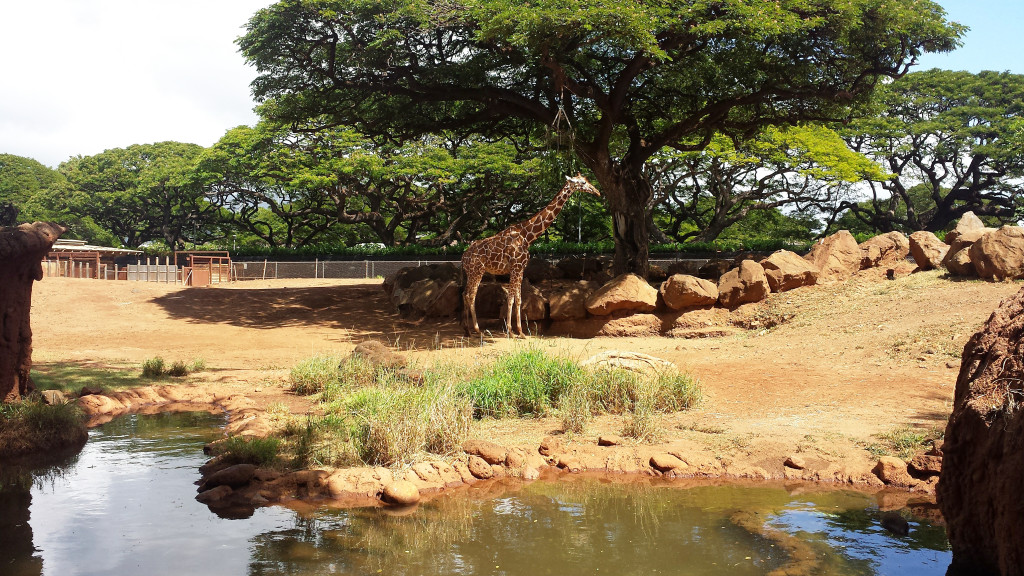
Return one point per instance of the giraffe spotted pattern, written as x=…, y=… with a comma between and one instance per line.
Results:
x=508, y=252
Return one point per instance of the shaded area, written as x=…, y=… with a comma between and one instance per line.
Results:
x=363, y=309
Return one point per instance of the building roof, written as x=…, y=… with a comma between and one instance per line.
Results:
x=72, y=246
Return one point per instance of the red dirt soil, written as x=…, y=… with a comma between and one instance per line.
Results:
x=848, y=361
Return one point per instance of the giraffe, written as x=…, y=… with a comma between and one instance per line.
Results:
x=507, y=252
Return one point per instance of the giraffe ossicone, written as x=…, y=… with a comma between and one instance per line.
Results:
x=508, y=252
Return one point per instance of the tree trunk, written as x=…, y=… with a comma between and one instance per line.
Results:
x=629, y=196
x=21, y=251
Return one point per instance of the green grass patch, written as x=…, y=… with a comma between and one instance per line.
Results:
x=32, y=426
x=71, y=378
x=251, y=450
x=904, y=441
x=523, y=383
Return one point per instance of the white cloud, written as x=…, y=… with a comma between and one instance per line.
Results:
x=82, y=76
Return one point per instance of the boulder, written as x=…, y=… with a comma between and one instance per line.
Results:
x=627, y=292
x=689, y=267
x=379, y=355
x=682, y=291
x=479, y=468
x=786, y=270
x=959, y=263
x=491, y=453
x=214, y=495
x=664, y=462
x=747, y=283
x=837, y=257
x=893, y=472
x=550, y=445
x=925, y=465
x=999, y=255
x=569, y=303
x=539, y=270
x=401, y=493
x=234, y=476
x=927, y=250
x=884, y=250
x=53, y=397
x=656, y=273
x=609, y=440
x=714, y=269
x=795, y=462
x=982, y=478
x=435, y=298
x=579, y=267
x=406, y=277
x=968, y=230
x=535, y=305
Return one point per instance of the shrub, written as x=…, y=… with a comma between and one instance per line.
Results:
x=178, y=369
x=153, y=368
x=252, y=450
x=449, y=415
x=318, y=441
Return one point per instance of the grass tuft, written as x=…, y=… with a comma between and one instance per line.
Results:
x=31, y=426
x=252, y=450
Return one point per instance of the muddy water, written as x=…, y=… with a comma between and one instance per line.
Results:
x=125, y=505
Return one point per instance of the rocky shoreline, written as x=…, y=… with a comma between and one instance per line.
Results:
x=226, y=486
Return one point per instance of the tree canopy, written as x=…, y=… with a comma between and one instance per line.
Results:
x=623, y=79
x=953, y=142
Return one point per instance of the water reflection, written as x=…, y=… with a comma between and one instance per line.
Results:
x=126, y=505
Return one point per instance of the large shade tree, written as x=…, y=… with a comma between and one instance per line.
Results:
x=140, y=193
x=952, y=141
x=293, y=185
x=805, y=169
x=627, y=78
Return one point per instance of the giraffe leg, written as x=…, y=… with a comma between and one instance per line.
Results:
x=515, y=288
x=469, y=303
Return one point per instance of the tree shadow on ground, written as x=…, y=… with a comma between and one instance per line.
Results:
x=364, y=311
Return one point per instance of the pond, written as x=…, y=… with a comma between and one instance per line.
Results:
x=125, y=505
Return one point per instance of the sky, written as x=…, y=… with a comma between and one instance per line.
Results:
x=82, y=76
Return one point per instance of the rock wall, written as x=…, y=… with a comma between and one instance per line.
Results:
x=22, y=250
x=982, y=481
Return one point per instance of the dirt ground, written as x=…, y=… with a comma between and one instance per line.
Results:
x=850, y=360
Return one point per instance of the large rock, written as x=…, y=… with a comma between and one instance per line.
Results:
x=569, y=303
x=747, y=283
x=968, y=230
x=234, y=476
x=786, y=270
x=432, y=290
x=982, y=477
x=837, y=257
x=959, y=263
x=539, y=269
x=999, y=255
x=714, y=269
x=884, y=250
x=401, y=493
x=927, y=250
x=535, y=305
x=435, y=298
x=579, y=267
x=683, y=291
x=378, y=354
x=628, y=292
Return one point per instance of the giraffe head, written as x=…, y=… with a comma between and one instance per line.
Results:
x=579, y=183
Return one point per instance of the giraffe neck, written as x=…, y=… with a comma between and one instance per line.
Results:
x=532, y=229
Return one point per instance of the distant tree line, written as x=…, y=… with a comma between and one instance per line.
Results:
x=925, y=149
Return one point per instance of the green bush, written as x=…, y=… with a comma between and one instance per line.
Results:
x=178, y=369
x=153, y=368
x=574, y=409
